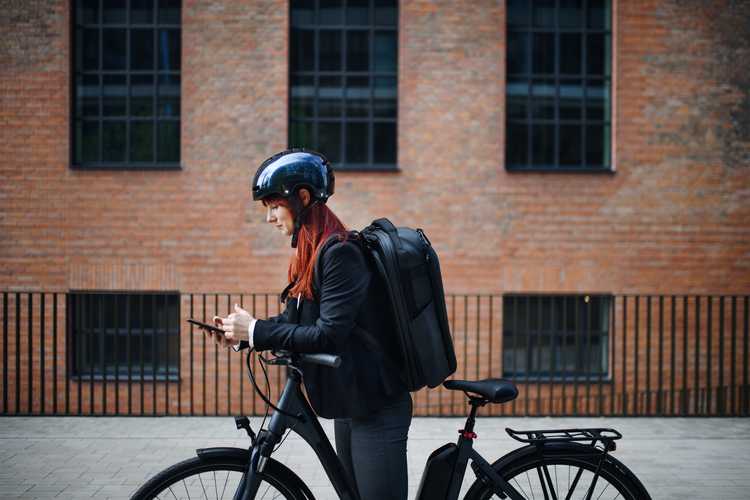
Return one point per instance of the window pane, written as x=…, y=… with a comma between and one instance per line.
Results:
x=571, y=145
x=331, y=12
x=518, y=52
x=113, y=141
x=570, y=53
x=544, y=13
x=357, y=12
x=329, y=141
x=114, y=12
x=386, y=12
x=516, y=147
x=518, y=12
x=168, y=146
x=597, y=145
x=571, y=13
x=543, y=99
x=517, y=97
x=543, y=53
x=142, y=49
x=543, y=145
x=385, y=51
x=385, y=143
x=596, y=98
x=142, y=141
x=385, y=97
x=303, y=12
x=88, y=11
x=358, y=96
x=169, y=95
x=141, y=11
x=571, y=100
x=87, y=44
x=357, y=142
x=330, y=50
x=87, y=141
x=597, y=54
x=301, y=135
x=303, y=97
x=599, y=14
x=169, y=50
x=357, y=56
x=169, y=12
x=114, y=48
x=330, y=96
x=87, y=94
x=115, y=91
x=142, y=95
x=303, y=50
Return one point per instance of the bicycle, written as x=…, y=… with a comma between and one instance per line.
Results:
x=553, y=464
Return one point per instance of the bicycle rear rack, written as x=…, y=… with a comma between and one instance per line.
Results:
x=537, y=437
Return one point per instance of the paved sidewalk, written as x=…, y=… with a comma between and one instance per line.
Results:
x=107, y=457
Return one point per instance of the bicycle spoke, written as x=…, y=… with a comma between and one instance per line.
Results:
x=172, y=492
x=225, y=484
x=186, y=490
x=532, y=489
x=602, y=493
x=572, y=487
x=557, y=488
x=521, y=488
x=200, y=478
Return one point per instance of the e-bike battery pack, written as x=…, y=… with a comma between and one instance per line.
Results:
x=436, y=478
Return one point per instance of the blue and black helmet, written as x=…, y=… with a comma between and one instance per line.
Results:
x=286, y=172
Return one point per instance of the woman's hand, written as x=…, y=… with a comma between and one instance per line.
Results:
x=235, y=327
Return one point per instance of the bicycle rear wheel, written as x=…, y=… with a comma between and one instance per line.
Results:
x=567, y=470
x=217, y=476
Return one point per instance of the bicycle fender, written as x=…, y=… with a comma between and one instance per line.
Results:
x=207, y=453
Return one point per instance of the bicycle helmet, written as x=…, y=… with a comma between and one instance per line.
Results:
x=285, y=173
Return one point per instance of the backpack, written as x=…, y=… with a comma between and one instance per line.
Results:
x=405, y=262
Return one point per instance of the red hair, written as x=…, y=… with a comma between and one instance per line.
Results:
x=320, y=223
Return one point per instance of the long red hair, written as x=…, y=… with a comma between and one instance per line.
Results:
x=320, y=223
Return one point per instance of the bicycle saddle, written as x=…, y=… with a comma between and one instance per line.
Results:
x=495, y=390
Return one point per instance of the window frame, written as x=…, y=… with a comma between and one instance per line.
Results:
x=607, y=123
x=124, y=372
x=316, y=73
x=558, y=341
x=155, y=119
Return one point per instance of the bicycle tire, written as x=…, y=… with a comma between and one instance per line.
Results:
x=199, y=475
x=523, y=469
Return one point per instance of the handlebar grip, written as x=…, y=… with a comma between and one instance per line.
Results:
x=322, y=359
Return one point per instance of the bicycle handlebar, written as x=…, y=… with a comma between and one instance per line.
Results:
x=322, y=359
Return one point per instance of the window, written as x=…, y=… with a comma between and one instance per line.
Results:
x=343, y=80
x=126, y=106
x=553, y=337
x=124, y=335
x=558, y=85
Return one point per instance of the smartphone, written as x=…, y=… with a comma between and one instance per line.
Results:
x=212, y=328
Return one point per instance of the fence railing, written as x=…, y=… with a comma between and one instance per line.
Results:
x=111, y=353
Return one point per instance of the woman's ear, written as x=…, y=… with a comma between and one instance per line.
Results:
x=304, y=196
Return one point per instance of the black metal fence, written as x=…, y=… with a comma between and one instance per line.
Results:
x=128, y=353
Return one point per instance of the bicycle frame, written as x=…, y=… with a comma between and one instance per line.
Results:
x=304, y=423
x=480, y=466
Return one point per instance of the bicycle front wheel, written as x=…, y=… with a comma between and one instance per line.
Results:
x=564, y=471
x=217, y=476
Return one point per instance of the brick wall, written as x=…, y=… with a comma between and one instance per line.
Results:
x=674, y=218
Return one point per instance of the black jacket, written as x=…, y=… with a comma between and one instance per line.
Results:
x=350, y=300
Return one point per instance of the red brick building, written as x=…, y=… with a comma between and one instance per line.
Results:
x=665, y=210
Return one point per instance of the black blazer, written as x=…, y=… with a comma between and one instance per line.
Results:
x=350, y=300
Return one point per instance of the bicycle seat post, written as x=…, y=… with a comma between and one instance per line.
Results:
x=468, y=431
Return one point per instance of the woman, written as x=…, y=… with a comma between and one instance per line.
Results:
x=371, y=407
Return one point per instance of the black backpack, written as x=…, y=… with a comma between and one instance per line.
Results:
x=405, y=262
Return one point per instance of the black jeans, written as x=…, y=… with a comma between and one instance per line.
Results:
x=373, y=450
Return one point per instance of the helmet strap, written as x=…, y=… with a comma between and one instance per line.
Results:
x=300, y=215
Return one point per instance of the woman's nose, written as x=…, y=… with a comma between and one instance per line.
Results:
x=269, y=217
